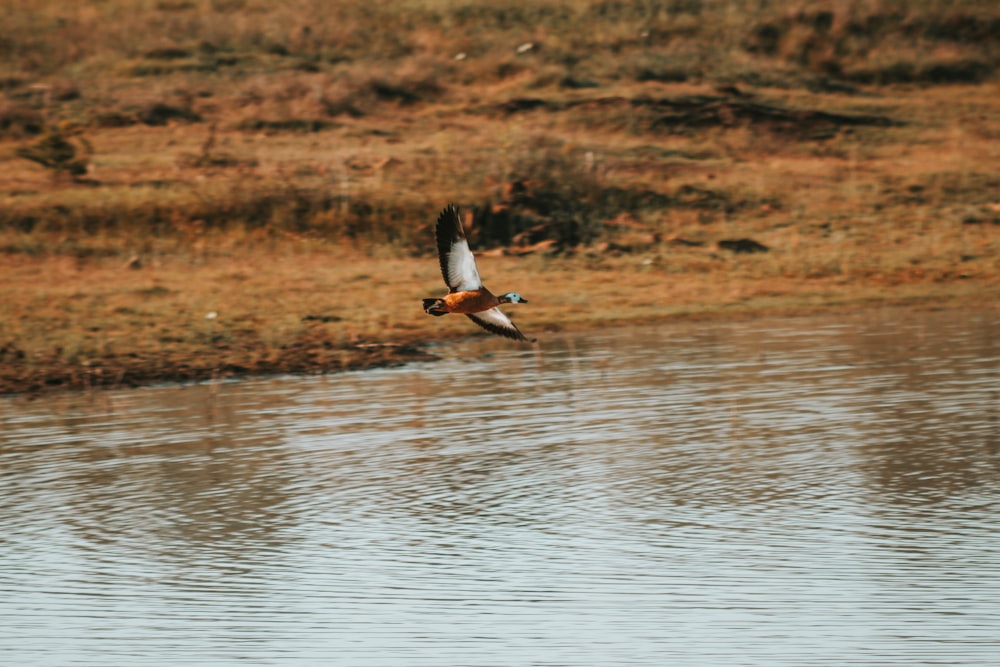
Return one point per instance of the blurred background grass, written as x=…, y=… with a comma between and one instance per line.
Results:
x=149, y=147
x=358, y=119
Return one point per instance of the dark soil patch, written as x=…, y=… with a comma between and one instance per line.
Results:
x=304, y=125
x=703, y=111
x=969, y=70
x=161, y=114
x=686, y=113
x=309, y=356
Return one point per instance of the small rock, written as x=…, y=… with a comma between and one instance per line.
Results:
x=743, y=245
x=687, y=243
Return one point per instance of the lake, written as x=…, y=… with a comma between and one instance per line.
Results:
x=782, y=491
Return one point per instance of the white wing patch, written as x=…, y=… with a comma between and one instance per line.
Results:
x=494, y=321
x=462, y=272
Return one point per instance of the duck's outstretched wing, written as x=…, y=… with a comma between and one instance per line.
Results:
x=458, y=266
x=494, y=321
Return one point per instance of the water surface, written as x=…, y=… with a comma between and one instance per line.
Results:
x=793, y=491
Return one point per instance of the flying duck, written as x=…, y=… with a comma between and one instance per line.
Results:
x=466, y=293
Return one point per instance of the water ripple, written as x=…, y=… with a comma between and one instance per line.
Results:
x=817, y=491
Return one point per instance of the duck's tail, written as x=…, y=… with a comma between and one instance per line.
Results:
x=434, y=307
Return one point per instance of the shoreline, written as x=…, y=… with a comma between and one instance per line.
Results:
x=121, y=371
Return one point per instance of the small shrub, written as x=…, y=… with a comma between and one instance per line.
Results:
x=62, y=152
x=17, y=122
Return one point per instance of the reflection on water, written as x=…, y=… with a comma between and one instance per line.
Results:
x=817, y=491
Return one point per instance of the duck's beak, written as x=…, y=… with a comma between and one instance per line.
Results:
x=523, y=300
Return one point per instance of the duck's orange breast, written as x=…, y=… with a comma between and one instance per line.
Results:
x=472, y=301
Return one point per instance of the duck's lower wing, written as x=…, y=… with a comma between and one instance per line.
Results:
x=494, y=321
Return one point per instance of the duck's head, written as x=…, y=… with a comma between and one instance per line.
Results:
x=512, y=297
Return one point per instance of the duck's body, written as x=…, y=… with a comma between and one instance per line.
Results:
x=467, y=294
x=465, y=302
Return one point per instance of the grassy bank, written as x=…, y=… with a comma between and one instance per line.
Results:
x=251, y=188
x=295, y=310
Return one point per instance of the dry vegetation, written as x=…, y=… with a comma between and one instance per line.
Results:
x=191, y=188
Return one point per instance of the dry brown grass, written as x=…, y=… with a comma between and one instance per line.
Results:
x=268, y=173
x=100, y=323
